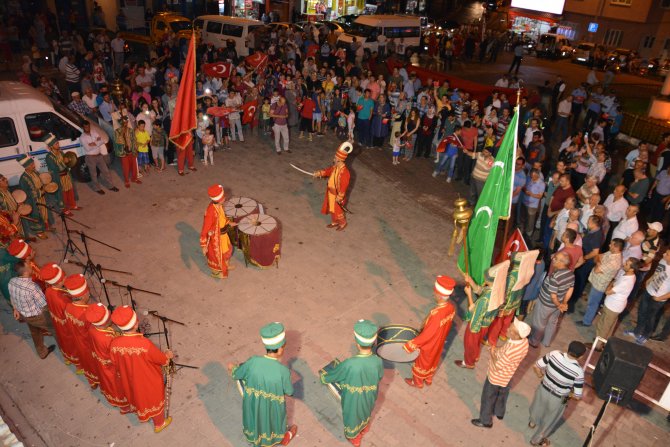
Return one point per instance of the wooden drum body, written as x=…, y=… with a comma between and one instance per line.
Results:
x=260, y=237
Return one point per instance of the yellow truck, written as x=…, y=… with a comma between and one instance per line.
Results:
x=162, y=24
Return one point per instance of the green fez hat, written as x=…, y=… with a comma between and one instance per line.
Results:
x=25, y=160
x=273, y=335
x=51, y=140
x=365, y=332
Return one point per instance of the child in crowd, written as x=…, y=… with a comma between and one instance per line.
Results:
x=396, y=148
x=306, y=117
x=265, y=116
x=225, y=131
x=158, y=145
x=208, y=146
x=142, y=137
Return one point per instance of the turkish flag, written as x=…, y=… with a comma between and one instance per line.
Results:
x=184, y=119
x=220, y=111
x=516, y=242
x=218, y=69
x=249, y=109
x=257, y=60
x=312, y=50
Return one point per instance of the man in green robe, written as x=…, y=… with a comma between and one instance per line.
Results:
x=7, y=271
x=359, y=377
x=266, y=383
x=31, y=184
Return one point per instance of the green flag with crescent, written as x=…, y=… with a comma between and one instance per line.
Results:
x=493, y=204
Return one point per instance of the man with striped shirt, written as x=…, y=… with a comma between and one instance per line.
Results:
x=502, y=366
x=562, y=378
x=553, y=300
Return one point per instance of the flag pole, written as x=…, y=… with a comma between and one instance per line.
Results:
x=516, y=145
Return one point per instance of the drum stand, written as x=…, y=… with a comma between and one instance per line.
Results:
x=70, y=245
x=130, y=289
x=175, y=366
x=96, y=269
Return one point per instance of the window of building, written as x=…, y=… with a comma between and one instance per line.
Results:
x=613, y=37
x=8, y=135
x=648, y=41
x=621, y=2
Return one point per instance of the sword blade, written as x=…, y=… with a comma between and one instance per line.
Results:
x=301, y=170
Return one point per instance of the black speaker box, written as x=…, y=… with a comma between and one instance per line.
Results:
x=622, y=365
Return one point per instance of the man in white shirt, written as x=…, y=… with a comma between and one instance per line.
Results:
x=616, y=206
x=634, y=246
x=587, y=210
x=628, y=225
x=91, y=99
x=95, y=149
x=654, y=297
x=144, y=80
x=118, y=46
x=502, y=82
x=616, y=298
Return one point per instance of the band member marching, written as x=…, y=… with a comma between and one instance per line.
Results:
x=214, y=239
x=433, y=335
x=140, y=366
x=266, y=383
x=57, y=300
x=60, y=174
x=31, y=184
x=338, y=181
x=359, y=377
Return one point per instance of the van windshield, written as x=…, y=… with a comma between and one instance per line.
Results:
x=362, y=30
x=69, y=114
x=180, y=26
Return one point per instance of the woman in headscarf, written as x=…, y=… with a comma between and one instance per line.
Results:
x=380, y=121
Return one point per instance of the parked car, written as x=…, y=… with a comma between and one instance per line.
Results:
x=346, y=20
x=583, y=53
x=553, y=46
x=332, y=26
x=219, y=30
x=618, y=58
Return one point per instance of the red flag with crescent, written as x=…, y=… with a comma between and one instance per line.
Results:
x=516, y=242
x=184, y=118
x=218, y=69
x=249, y=109
x=257, y=60
x=220, y=111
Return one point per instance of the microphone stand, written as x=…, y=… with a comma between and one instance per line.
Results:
x=165, y=332
x=70, y=245
x=96, y=269
x=130, y=289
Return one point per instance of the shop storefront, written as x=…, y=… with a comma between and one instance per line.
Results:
x=250, y=9
x=331, y=9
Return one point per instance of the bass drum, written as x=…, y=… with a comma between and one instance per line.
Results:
x=390, y=341
x=260, y=236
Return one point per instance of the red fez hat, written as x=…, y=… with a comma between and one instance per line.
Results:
x=19, y=249
x=76, y=285
x=124, y=317
x=444, y=285
x=216, y=193
x=97, y=314
x=52, y=274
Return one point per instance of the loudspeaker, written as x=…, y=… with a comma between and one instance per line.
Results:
x=622, y=365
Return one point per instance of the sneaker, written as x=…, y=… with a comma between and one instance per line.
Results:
x=448, y=179
x=434, y=174
x=641, y=340
x=630, y=334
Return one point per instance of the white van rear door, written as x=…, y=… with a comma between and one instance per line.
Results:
x=39, y=125
x=212, y=34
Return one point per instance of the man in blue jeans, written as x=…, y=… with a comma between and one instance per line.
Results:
x=654, y=297
x=447, y=151
x=606, y=267
x=364, y=106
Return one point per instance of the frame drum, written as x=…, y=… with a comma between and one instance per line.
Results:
x=238, y=207
x=390, y=340
x=24, y=209
x=51, y=187
x=261, y=239
x=19, y=196
x=45, y=178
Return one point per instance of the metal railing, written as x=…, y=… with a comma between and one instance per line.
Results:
x=643, y=127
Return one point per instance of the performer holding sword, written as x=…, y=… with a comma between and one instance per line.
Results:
x=338, y=181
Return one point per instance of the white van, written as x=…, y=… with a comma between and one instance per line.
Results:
x=216, y=30
x=553, y=46
x=26, y=117
x=366, y=28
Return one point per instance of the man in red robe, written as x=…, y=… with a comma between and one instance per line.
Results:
x=101, y=340
x=57, y=300
x=214, y=239
x=433, y=335
x=338, y=181
x=75, y=313
x=139, y=363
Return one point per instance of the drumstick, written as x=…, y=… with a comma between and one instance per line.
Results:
x=29, y=219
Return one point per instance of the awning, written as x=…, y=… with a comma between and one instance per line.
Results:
x=537, y=15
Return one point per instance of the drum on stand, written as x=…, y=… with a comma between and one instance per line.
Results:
x=334, y=388
x=20, y=196
x=237, y=208
x=260, y=237
x=390, y=341
x=45, y=178
x=24, y=209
